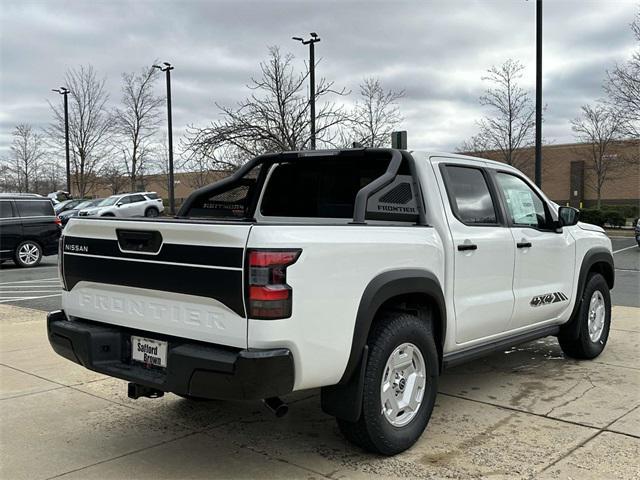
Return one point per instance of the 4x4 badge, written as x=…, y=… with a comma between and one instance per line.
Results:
x=548, y=298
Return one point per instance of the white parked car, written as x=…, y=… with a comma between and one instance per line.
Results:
x=142, y=204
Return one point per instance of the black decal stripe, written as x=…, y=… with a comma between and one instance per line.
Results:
x=169, y=252
x=222, y=285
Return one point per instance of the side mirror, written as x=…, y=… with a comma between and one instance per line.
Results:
x=118, y=204
x=568, y=216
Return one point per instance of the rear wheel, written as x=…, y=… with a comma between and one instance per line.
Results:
x=28, y=254
x=151, y=212
x=594, y=321
x=400, y=386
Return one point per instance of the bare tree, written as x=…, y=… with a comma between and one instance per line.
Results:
x=53, y=176
x=623, y=88
x=375, y=115
x=203, y=170
x=600, y=128
x=138, y=119
x=510, y=126
x=113, y=177
x=90, y=126
x=274, y=117
x=27, y=151
x=7, y=177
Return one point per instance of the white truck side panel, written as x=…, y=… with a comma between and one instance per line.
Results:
x=329, y=278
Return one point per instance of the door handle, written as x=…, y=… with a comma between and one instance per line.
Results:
x=467, y=246
x=523, y=244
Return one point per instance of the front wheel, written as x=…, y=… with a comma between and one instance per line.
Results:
x=594, y=321
x=28, y=254
x=400, y=386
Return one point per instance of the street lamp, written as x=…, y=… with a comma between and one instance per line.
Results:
x=65, y=91
x=538, y=163
x=166, y=67
x=312, y=82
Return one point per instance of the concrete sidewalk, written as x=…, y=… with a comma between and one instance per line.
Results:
x=526, y=413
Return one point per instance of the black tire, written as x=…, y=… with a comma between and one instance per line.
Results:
x=108, y=215
x=583, y=347
x=151, y=212
x=373, y=431
x=27, y=254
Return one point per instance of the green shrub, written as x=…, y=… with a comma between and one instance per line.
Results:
x=613, y=218
x=626, y=211
x=593, y=216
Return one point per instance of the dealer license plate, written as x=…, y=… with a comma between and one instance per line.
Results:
x=148, y=351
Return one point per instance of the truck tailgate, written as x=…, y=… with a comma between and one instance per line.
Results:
x=173, y=278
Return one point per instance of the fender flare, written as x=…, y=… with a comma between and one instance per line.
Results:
x=592, y=257
x=344, y=399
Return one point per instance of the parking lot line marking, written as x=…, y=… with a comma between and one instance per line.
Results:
x=30, y=298
x=29, y=292
x=14, y=270
x=626, y=248
x=31, y=281
x=38, y=287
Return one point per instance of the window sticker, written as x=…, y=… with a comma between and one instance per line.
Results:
x=522, y=206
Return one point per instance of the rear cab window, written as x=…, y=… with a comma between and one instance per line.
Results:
x=326, y=188
x=315, y=188
x=35, y=208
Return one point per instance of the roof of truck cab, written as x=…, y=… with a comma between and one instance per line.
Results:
x=458, y=157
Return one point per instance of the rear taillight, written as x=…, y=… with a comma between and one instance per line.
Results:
x=269, y=296
x=61, y=262
x=57, y=221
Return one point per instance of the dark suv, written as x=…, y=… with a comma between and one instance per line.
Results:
x=29, y=229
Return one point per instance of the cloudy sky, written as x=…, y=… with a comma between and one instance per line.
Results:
x=435, y=50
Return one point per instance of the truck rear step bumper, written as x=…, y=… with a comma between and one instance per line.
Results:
x=196, y=369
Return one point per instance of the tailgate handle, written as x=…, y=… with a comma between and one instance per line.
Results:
x=136, y=241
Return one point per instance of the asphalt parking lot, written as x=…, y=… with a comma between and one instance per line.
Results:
x=525, y=413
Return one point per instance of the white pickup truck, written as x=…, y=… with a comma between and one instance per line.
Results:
x=365, y=272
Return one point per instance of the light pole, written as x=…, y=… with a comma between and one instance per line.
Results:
x=538, y=169
x=312, y=82
x=166, y=67
x=65, y=91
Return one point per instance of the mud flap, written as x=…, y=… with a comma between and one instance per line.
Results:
x=344, y=400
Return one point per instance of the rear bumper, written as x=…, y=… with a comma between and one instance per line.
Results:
x=197, y=369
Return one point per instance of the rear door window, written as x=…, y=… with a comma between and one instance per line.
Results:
x=136, y=198
x=6, y=211
x=35, y=208
x=469, y=195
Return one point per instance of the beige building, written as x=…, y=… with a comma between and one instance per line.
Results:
x=567, y=176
